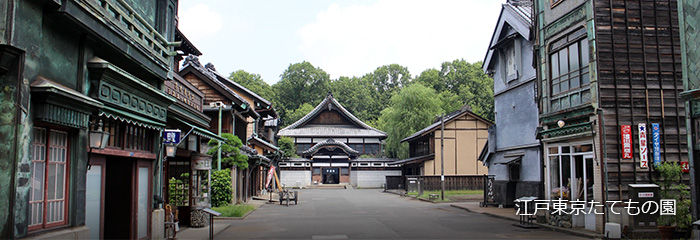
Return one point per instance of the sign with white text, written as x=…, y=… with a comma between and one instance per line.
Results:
x=626, y=132
x=656, y=143
x=643, y=154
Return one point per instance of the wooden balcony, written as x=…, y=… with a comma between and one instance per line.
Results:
x=122, y=18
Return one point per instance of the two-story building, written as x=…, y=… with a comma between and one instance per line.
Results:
x=335, y=147
x=609, y=78
x=453, y=149
x=69, y=69
x=512, y=153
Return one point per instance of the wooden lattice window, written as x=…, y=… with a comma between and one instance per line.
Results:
x=47, y=200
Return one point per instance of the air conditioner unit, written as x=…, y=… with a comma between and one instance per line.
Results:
x=216, y=104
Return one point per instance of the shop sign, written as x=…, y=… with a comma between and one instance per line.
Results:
x=656, y=143
x=685, y=166
x=202, y=163
x=626, y=132
x=643, y=154
x=171, y=136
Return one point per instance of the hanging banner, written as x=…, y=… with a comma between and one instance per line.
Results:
x=643, y=154
x=269, y=176
x=656, y=143
x=626, y=132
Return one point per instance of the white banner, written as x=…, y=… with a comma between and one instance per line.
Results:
x=643, y=153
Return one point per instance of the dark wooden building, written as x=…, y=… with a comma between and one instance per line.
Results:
x=330, y=141
x=609, y=74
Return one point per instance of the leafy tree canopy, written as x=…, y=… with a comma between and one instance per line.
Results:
x=411, y=109
x=230, y=151
x=287, y=146
x=300, y=83
x=299, y=113
x=254, y=83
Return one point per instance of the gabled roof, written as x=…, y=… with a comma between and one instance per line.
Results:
x=517, y=15
x=237, y=86
x=330, y=143
x=448, y=118
x=298, y=128
x=192, y=65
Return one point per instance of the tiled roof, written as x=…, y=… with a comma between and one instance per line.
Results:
x=236, y=85
x=193, y=61
x=330, y=142
x=331, y=131
x=300, y=127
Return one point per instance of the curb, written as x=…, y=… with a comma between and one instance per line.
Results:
x=547, y=226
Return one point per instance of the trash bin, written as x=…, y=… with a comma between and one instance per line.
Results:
x=413, y=184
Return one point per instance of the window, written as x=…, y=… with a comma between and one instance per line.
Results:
x=47, y=200
x=356, y=146
x=371, y=148
x=571, y=172
x=126, y=136
x=301, y=147
x=568, y=65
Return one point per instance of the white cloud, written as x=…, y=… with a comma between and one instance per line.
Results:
x=354, y=40
x=200, y=22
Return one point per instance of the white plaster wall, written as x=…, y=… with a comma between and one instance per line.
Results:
x=290, y=177
x=371, y=178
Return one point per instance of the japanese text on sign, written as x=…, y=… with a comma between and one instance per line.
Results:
x=656, y=143
x=626, y=132
x=643, y=154
x=576, y=207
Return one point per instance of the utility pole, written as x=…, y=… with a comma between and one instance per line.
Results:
x=218, y=152
x=442, y=156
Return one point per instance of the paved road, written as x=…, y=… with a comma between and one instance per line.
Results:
x=371, y=214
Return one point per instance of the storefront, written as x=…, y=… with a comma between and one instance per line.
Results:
x=120, y=189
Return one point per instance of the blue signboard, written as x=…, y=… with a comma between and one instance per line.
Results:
x=656, y=143
x=171, y=136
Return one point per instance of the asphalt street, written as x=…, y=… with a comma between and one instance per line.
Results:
x=372, y=214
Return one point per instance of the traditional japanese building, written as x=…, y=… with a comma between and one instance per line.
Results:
x=70, y=69
x=330, y=142
x=512, y=153
x=232, y=112
x=465, y=134
x=609, y=79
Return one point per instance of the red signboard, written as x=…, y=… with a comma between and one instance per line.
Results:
x=626, y=132
x=686, y=167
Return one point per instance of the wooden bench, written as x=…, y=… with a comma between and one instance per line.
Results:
x=433, y=196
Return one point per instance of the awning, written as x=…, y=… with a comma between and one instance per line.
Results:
x=131, y=118
x=511, y=160
x=201, y=131
x=412, y=160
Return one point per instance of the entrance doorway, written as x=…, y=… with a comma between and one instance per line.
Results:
x=331, y=176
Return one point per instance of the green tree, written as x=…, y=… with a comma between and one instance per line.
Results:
x=286, y=145
x=471, y=84
x=230, y=151
x=300, y=83
x=355, y=94
x=431, y=78
x=413, y=108
x=450, y=102
x=299, y=113
x=254, y=83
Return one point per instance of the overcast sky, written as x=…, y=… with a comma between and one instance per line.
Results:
x=344, y=38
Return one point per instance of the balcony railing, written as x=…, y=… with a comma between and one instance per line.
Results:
x=120, y=15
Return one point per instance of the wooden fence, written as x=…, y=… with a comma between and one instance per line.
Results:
x=431, y=183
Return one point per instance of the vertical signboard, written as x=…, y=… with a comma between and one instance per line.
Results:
x=643, y=154
x=685, y=166
x=626, y=132
x=656, y=143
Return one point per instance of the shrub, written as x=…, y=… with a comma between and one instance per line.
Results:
x=221, y=188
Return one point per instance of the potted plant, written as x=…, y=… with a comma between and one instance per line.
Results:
x=672, y=187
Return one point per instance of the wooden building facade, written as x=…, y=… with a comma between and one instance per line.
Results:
x=330, y=141
x=465, y=135
x=609, y=75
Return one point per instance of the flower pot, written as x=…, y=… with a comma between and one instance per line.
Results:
x=666, y=232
